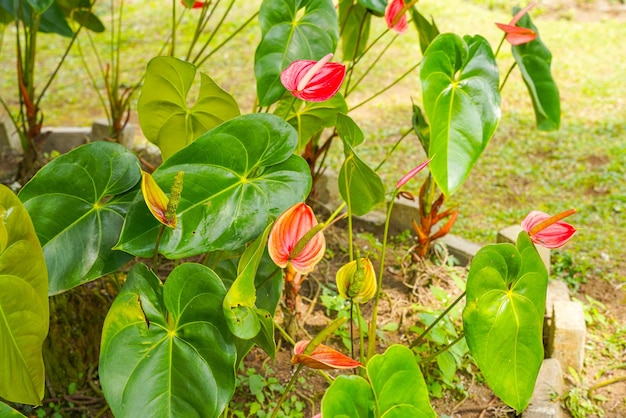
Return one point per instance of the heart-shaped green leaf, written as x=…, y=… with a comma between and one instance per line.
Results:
x=289, y=35
x=236, y=176
x=534, y=59
x=23, y=304
x=312, y=117
x=165, y=118
x=354, y=21
x=462, y=102
x=360, y=187
x=166, y=350
x=78, y=202
x=503, y=318
x=396, y=388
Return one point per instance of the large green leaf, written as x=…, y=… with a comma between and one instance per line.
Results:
x=534, y=59
x=51, y=18
x=236, y=177
x=354, y=24
x=396, y=389
x=426, y=30
x=310, y=118
x=166, y=350
x=165, y=117
x=78, y=202
x=503, y=318
x=359, y=185
x=23, y=304
x=7, y=412
x=288, y=34
x=462, y=103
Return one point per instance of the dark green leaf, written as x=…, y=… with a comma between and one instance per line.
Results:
x=421, y=128
x=462, y=102
x=40, y=6
x=354, y=23
x=166, y=119
x=88, y=20
x=289, y=35
x=534, y=59
x=23, y=304
x=375, y=6
x=426, y=30
x=51, y=20
x=236, y=176
x=503, y=318
x=78, y=203
x=166, y=350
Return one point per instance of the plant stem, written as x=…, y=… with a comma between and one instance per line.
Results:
x=155, y=257
x=443, y=350
x=361, y=335
x=604, y=383
x=285, y=335
x=378, y=93
x=419, y=339
x=372, y=65
x=287, y=390
x=506, y=77
x=500, y=45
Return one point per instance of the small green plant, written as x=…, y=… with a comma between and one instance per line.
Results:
x=579, y=400
x=566, y=267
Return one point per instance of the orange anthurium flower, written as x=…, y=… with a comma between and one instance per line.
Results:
x=313, y=81
x=157, y=201
x=548, y=231
x=323, y=357
x=395, y=22
x=357, y=280
x=285, y=235
x=516, y=35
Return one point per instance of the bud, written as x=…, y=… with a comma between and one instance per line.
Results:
x=357, y=280
x=322, y=357
x=548, y=231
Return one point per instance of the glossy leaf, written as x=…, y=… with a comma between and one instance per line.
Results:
x=164, y=115
x=166, y=350
x=23, y=304
x=354, y=22
x=238, y=306
x=397, y=389
x=375, y=6
x=236, y=176
x=290, y=34
x=426, y=30
x=360, y=187
x=78, y=202
x=503, y=318
x=421, y=128
x=534, y=60
x=310, y=118
x=462, y=103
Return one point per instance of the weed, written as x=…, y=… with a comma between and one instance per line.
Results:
x=578, y=400
x=572, y=271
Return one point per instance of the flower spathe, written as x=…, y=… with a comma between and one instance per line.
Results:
x=285, y=235
x=408, y=176
x=517, y=35
x=356, y=280
x=394, y=21
x=313, y=81
x=155, y=199
x=548, y=231
x=322, y=357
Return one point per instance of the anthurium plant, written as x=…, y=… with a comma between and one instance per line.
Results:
x=231, y=193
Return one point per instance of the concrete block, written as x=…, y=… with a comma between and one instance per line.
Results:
x=100, y=129
x=509, y=234
x=9, y=137
x=549, y=381
x=461, y=248
x=557, y=291
x=64, y=139
x=567, y=335
x=403, y=213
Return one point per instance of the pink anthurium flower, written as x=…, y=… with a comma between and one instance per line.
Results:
x=285, y=235
x=322, y=357
x=548, y=231
x=393, y=18
x=313, y=81
x=516, y=35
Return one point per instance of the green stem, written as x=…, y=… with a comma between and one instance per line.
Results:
x=173, y=35
x=356, y=49
x=393, y=149
x=371, y=336
x=606, y=382
x=285, y=335
x=361, y=334
x=371, y=66
x=287, y=390
x=419, y=339
x=155, y=257
x=351, y=328
x=378, y=93
x=443, y=350
x=506, y=77
x=500, y=45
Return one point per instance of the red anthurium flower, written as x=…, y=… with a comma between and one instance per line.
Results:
x=323, y=357
x=408, y=176
x=516, y=35
x=286, y=233
x=395, y=22
x=313, y=81
x=195, y=5
x=548, y=231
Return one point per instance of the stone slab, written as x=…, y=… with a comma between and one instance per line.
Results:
x=100, y=129
x=9, y=137
x=567, y=335
x=460, y=248
x=510, y=233
x=549, y=382
x=64, y=139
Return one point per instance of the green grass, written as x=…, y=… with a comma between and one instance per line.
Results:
x=581, y=165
